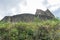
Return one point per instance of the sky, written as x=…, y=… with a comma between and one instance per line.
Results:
x=14, y=7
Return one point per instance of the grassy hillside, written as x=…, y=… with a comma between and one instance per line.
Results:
x=37, y=30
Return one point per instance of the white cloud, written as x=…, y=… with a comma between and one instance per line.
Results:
x=32, y=5
x=13, y=7
x=53, y=4
x=53, y=8
x=9, y=7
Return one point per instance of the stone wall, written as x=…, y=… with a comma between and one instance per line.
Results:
x=27, y=17
x=22, y=17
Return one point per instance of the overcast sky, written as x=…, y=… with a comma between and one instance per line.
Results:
x=13, y=7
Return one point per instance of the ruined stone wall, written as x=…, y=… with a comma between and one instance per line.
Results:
x=22, y=17
x=18, y=18
x=44, y=17
x=6, y=19
x=27, y=17
x=44, y=14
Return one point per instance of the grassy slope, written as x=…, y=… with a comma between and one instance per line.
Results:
x=44, y=30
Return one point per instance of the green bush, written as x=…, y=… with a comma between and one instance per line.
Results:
x=37, y=30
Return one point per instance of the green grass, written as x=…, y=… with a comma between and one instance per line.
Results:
x=37, y=30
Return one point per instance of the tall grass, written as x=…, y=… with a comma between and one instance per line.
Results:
x=37, y=30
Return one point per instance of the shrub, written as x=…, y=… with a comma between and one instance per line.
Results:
x=39, y=30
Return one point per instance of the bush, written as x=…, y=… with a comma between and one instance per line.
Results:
x=42, y=30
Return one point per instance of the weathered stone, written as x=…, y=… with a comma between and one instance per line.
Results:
x=27, y=17
x=49, y=13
